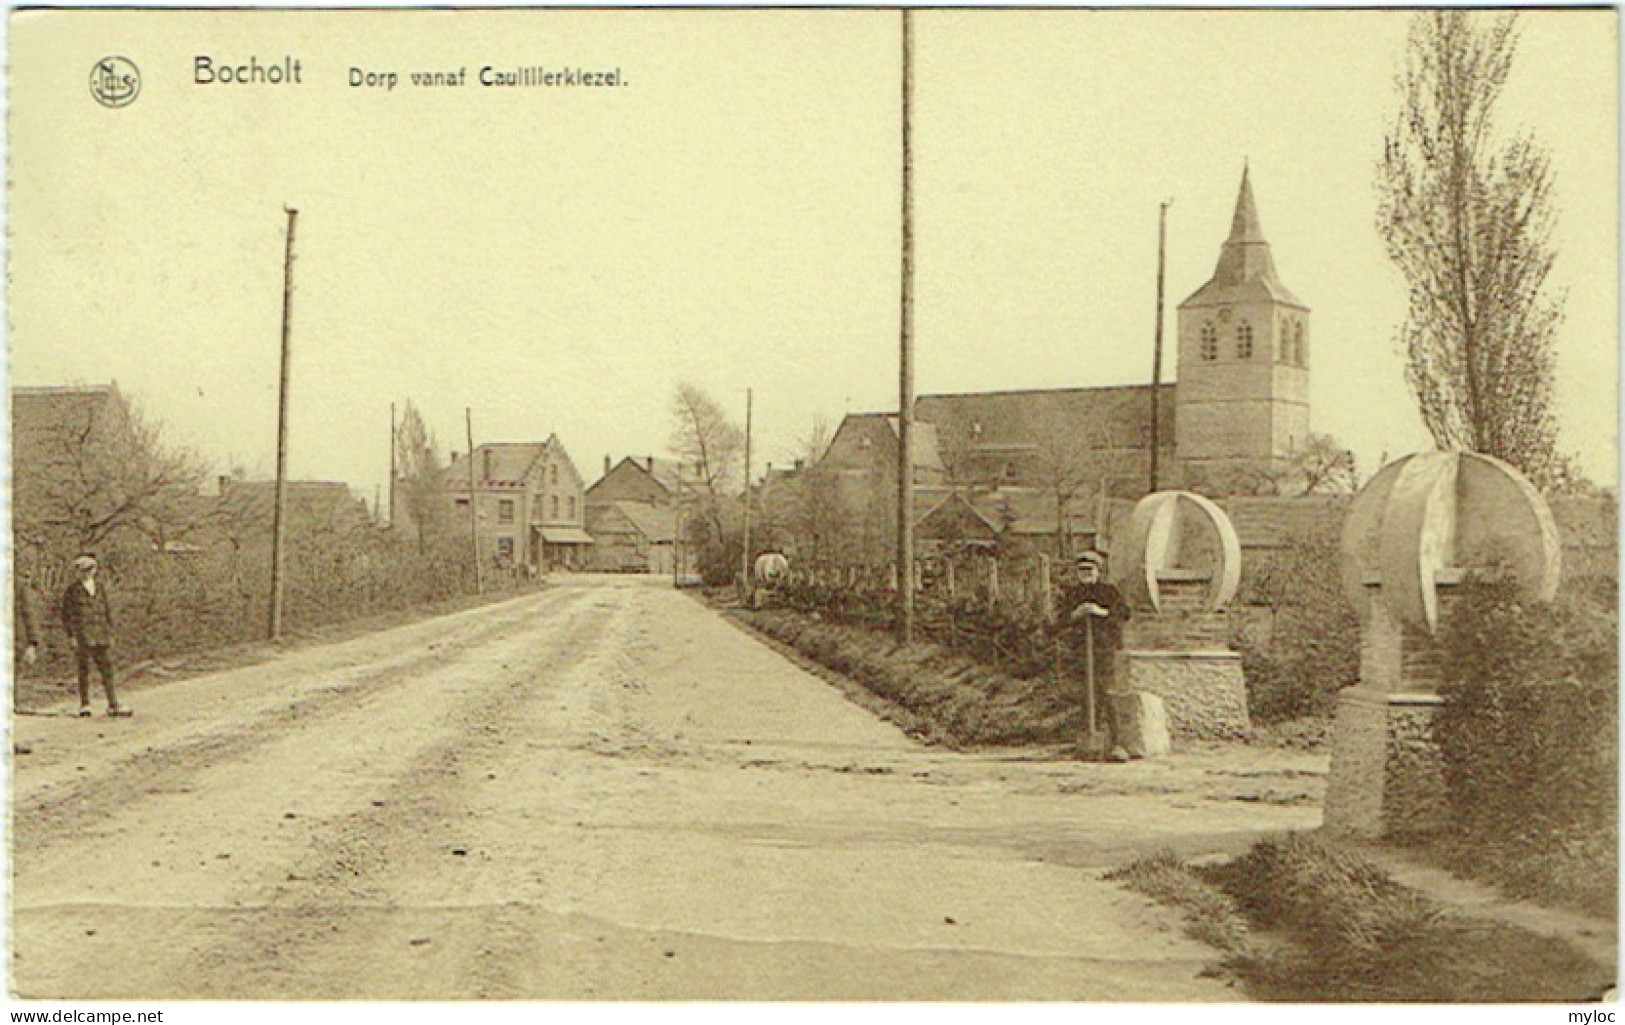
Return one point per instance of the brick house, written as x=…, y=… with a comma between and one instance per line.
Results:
x=529, y=504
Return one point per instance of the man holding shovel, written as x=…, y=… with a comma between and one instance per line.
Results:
x=1093, y=613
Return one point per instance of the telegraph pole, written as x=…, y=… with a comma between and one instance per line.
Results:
x=279, y=519
x=394, y=468
x=473, y=505
x=905, y=398
x=744, y=558
x=677, y=545
x=1156, y=360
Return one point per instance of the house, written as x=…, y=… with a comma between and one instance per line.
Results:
x=652, y=481
x=633, y=514
x=247, y=510
x=528, y=503
x=631, y=537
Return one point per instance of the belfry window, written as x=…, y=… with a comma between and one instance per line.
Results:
x=1244, y=340
x=1210, y=342
x=1300, y=349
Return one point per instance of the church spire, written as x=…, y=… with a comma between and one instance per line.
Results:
x=1246, y=255
x=1244, y=226
x=1245, y=270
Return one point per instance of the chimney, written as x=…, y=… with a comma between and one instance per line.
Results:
x=651, y=460
x=485, y=467
x=606, y=465
x=800, y=463
x=225, y=482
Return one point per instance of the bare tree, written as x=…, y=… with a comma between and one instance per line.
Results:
x=1324, y=466
x=703, y=437
x=1467, y=216
x=1071, y=460
x=1321, y=467
x=818, y=519
x=422, y=477
x=92, y=472
x=957, y=435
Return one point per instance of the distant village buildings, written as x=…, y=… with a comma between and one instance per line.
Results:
x=1048, y=466
x=1041, y=470
x=528, y=503
x=632, y=516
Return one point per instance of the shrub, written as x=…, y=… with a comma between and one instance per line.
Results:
x=1311, y=649
x=1528, y=732
x=169, y=604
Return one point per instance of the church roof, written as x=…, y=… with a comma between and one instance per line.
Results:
x=1115, y=417
x=1246, y=271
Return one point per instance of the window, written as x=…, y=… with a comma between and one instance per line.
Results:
x=505, y=511
x=553, y=473
x=462, y=503
x=570, y=507
x=1244, y=340
x=1300, y=352
x=555, y=504
x=505, y=550
x=1210, y=342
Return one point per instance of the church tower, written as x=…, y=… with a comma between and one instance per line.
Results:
x=1243, y=397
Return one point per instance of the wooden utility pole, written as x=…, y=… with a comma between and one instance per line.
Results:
x=1156, y=359
x=394, y=468
x=677, y=545
x=905, y=398
x=473, y=505
x=744, y=558
x=279, y=518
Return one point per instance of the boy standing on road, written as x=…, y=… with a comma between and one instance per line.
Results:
x=88, y=616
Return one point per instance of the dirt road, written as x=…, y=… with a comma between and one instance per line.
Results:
x=603, y=791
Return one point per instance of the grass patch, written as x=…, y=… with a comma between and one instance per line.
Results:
x=944, y=696
x=1211, y=915
x=1580, y=873
x=1302, y=921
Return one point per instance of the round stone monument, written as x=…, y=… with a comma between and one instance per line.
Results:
x=1178, y=565
x=1177, y=539
x=1416, y=530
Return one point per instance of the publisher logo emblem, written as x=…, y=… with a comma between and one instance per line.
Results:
x=115, y=81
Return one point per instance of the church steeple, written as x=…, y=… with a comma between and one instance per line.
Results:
x=1246, y=270
x=1244, y=226
x=1242, y=406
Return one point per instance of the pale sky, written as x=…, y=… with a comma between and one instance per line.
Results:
x=558, y=259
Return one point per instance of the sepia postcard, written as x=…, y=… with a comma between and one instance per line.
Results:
x=719, y=505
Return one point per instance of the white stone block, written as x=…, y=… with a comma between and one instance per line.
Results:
x=1141, y=724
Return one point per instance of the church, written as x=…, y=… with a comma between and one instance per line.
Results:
x=1045, y=464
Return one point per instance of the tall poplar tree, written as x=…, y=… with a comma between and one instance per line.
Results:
x=1466, y=211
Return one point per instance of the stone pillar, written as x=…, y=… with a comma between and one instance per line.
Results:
x=1181, y=656
x=1387, y=775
